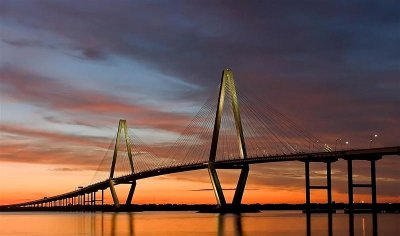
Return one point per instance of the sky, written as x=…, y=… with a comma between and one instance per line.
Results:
x=70, y=70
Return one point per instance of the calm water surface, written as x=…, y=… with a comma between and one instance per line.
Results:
x=191, y=223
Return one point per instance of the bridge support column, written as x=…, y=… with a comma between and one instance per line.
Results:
x=237, y=198
x=122, y=126
x=328, y=185
x=102, y=197
x=130, y=194
x=307, y=170
x=240, y=187
x=351, y=185
x=228, y=84
x=219, y=195
x=373, y=185
x=114, y=194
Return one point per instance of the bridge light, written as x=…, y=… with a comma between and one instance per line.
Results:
x=372, y=139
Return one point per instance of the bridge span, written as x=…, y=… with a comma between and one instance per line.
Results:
x=76, y=197
x=86, y=196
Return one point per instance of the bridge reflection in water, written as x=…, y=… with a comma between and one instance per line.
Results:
x=248, y=136
x=191, y=223
x=370, y=228
x=117, y=223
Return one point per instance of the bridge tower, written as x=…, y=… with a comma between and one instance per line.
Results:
x=227, y=80
x=122, y=130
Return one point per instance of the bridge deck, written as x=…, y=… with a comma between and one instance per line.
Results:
x=357, y=154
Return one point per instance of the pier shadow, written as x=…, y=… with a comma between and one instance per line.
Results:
x=374, y=216
x=330, y=223
x=237, y=224
x=114, y=222
x=231, y=224
x=351, y=224
x=112, y=228
x=105, y=226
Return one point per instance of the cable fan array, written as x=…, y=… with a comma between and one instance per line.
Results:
x=267, y=133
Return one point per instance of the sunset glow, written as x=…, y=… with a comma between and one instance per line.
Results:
x=70, y=72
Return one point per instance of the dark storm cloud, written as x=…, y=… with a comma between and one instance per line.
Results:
x=93, y=54
x=340, y=59
x=193, y=40
x=321, y=51
x=337, y=60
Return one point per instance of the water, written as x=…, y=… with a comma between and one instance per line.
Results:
x=191, y=223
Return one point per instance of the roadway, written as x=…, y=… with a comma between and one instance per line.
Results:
x=357, y=154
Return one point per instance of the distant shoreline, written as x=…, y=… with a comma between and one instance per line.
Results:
x=381, y=207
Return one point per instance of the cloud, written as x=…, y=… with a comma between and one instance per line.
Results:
x=23, y=86
x=341, y=64
x=53, y=136
x=332, y=67
x=23, y=43
x=275, y=37
x=66, y=169
x=93, y=54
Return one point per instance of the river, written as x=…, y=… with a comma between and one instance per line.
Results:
x=192, y=223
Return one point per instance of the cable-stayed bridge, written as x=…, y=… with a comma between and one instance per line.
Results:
x=230, y=132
